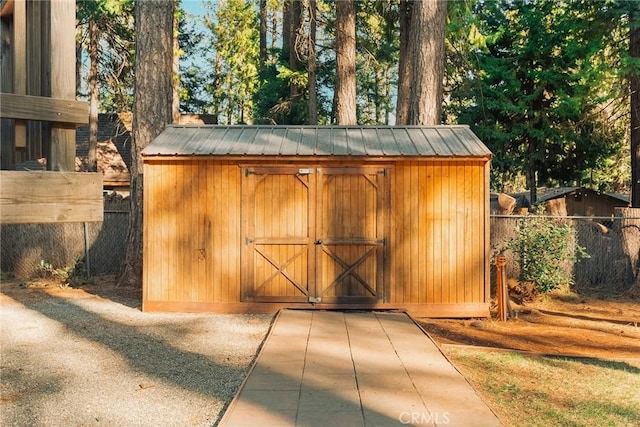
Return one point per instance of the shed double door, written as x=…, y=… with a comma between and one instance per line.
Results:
x=315, y=234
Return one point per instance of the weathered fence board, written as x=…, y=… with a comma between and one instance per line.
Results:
x=47, y=197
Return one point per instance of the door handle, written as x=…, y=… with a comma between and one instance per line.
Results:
x=318, y=242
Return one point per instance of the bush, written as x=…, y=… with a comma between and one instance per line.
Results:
x=64, y=275
x=544, y=248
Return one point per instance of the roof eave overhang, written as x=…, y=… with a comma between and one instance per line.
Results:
x=311, y=158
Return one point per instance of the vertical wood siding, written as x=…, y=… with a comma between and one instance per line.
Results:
x=192, y=231
x=434, y=241
x=438, y=237
x=278, y=227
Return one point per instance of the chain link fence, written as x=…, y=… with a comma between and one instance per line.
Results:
x=25, y=246
x=612, y=243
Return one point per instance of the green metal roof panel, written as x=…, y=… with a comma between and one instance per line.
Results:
x=354, y=141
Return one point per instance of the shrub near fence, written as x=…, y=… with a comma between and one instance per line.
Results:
x=609, y=242
x=24, y=246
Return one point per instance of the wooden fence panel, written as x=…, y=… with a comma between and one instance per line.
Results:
x=48, y=197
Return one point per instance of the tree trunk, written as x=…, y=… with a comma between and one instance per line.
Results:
x=532, y=182
x=263, y=34
x=346, y=63
x=286, y=28
x=428, y=29
x=404, y=66
x=92, y=83
x=311, y=66
x=274, y=30
x=175, y=96
x=151, y=112
x=634, y=87
x=294, y=64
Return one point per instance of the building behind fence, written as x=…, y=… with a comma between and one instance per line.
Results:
x=613, y=245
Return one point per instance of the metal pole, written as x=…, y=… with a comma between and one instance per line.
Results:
x=501, y=287
x=86, y=249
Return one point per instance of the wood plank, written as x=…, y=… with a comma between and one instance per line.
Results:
x=197, y=288
x=469, y=197
x=414, y=234
x=62, y=24
x=458, y=248
x=207, y=203
x=172, y=229
x=147, y=256
x=19, y=49
x=485, y=294
x=47, y=197
x=191, y=284
x=221, y=284
x=310, y=267
x=396, y=237
x=161, y=219
x=153, y=230
x=446, y=224
x=434, y=257
x=202, y=241
x=477, y=237
x=234, y=237
x=423, y=249
x=321, y=267
x=436, y=220
x=186, y=228
x=45, y=109
x=7, y=149
x=416, y=310
x=408, y=260
x=386, y=250
x=154, y=269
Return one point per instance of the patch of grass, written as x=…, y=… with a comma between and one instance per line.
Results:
x=540, y=391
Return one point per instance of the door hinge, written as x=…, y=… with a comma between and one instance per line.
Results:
x=305, y=171
x=382, y=172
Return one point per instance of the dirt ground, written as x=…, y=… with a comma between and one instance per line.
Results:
x=86, y=355
x=559, y=324
x=562, y=324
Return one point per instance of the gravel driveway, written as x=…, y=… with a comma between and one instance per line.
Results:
x=71, y=357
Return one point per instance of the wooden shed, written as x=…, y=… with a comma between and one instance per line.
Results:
x=257, y=218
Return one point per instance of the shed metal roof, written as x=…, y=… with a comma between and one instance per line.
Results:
x=360, y=141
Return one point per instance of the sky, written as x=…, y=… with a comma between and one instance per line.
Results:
x=195, y=7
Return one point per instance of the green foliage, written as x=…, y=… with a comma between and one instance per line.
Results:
x=544, y=247
x=377, y=50
x=533, y=86
x=272, y=103
x=541, y=82
x=194, y=46
x=116, y=50
x=64, y=275
x=235, y=79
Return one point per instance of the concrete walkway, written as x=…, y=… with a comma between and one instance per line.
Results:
x=324, y=368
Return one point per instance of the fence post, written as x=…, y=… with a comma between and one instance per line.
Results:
x=86, y=250
x=501, y=287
